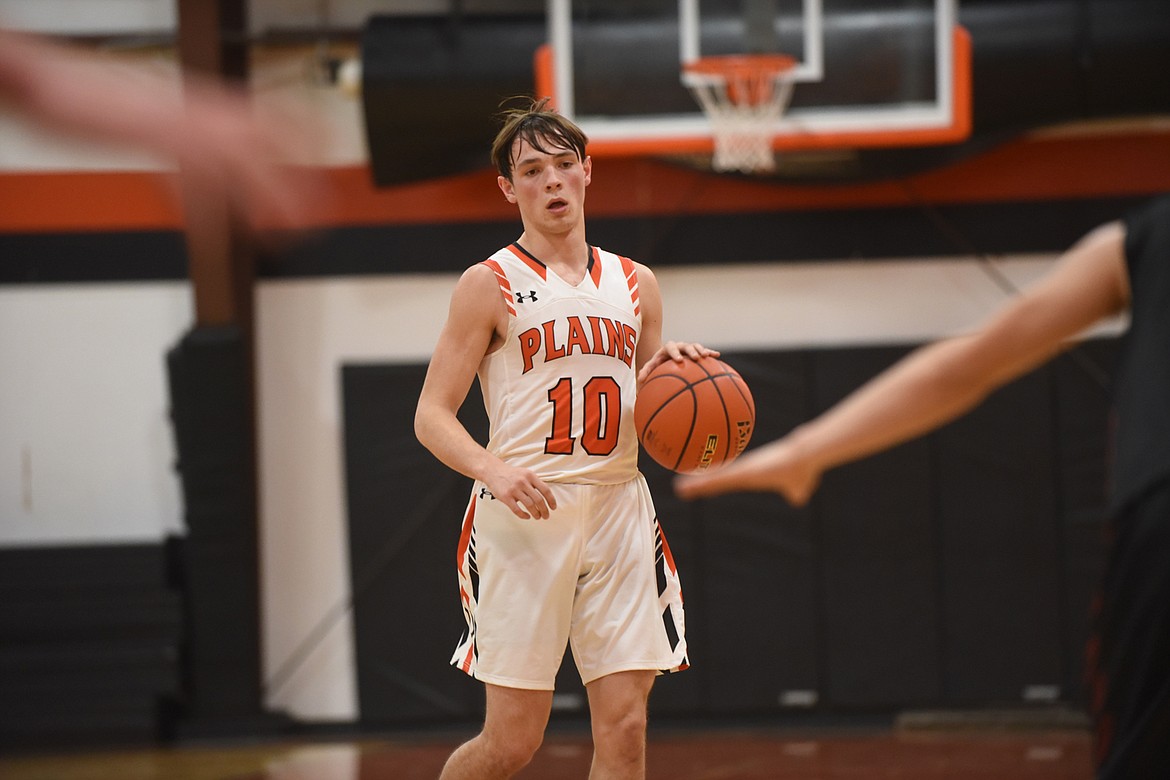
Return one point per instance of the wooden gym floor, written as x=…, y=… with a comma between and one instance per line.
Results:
x=733, y=754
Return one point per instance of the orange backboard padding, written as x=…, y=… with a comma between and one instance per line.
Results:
x=546, y=85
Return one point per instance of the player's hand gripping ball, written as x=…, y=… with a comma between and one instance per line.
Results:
x=694, y=414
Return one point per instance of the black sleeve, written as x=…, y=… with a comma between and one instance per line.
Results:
x=1146, y=229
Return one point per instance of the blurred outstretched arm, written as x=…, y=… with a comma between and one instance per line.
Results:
x=224, y=147
x=941, y=381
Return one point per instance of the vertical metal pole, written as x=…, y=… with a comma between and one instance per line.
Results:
x=560, y=33
x=688, y=31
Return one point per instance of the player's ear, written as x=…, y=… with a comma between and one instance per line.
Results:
x=587, y=165
x=506, y=188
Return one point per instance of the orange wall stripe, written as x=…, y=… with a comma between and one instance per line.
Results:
x=1037, y=167
x=70, y=201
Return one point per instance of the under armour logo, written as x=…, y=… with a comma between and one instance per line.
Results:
x=521, y=297
x=485, y=493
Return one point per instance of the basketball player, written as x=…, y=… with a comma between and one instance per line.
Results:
x=560, y=541
x=1122, y=266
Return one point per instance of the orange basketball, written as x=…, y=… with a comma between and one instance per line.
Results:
x=694, y=414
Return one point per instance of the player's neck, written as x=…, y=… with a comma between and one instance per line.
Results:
x=567, y=254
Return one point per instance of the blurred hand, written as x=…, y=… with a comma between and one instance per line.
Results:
x=232, y=156
x=775, y=467
x=257, y=161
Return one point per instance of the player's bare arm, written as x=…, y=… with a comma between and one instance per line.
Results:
x=475, y=326
x=652, y=352
x=939, y=382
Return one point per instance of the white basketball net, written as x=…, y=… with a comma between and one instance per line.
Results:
x=745, y=107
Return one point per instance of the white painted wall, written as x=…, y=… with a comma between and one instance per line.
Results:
x=306, y=330
x=89, y=17
x=86, y=447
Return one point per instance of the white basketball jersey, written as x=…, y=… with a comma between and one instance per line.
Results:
x=560, y=391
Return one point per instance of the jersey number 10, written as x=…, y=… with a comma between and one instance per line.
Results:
x=602, y=396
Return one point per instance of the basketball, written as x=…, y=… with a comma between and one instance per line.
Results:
x=694, y=414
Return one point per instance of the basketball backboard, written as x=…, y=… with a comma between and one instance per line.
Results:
x=869, y=73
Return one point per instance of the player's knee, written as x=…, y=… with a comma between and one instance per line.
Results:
x=625, y=736
x=515, y=750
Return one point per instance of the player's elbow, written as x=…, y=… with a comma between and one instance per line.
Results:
x=430, y=422
x=422, y=424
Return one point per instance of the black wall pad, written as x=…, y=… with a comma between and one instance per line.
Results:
x=947, y=572
x=1082, y=402
x=756, y=635
x=879, y=566
x=211, y=409
x=405, y=512
x=1000, y=546
x=89, y=642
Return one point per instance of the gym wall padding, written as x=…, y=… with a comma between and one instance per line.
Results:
x=749, y=579
x=89, y=644
x=211, y=409
x=953, y=571
x=405, y=510
x=997, y=492
x=878, y=560
x=1081, y=403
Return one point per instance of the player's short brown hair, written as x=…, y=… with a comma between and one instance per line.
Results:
x=541, y=127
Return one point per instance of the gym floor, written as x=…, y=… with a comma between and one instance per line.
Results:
x=677, y=754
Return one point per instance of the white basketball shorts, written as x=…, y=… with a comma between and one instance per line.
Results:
x=597, y=575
